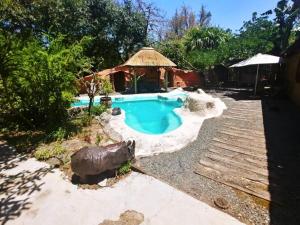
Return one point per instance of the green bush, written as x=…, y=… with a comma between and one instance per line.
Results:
x=125, y=168
x=98, y=139
x=106, y=87
x=97, y=110
x=47, y=153
x=40, y=86
x=60, y=134
x=86, y=120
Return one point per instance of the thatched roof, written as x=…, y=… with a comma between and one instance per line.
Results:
x=149, y=57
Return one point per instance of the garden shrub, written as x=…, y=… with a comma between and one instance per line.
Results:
x=47, y=153
x=40, y=87
x=86, y=120
x=97, y=110
x=60, y=134
x=98, y=139
x=125, y=168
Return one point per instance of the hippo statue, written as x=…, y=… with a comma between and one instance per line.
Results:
x=95, y=160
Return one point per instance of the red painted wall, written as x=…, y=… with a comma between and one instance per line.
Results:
x=184, y=78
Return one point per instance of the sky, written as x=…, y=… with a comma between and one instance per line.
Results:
x=225, y=13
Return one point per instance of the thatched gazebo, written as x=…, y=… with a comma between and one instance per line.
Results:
x=148, y=57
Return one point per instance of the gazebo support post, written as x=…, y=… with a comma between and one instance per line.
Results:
x=166, y=80
x=135, y=83
x=256, y=80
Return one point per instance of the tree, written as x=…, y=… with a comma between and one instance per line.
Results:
x=153, y=17
x=181, y=22
x=41, y=84
x=286, y=16
x=174, y=50
x=92, y=88
x=204, y=17
x=205, y=38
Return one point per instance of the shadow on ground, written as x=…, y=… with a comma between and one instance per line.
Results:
x=282, y=131
x=16, y=189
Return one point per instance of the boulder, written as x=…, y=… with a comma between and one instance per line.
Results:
x=116, y=111
x=104, y=118
x=203, y=104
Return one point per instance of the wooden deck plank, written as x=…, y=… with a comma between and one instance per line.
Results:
x=233, y=182
x=251, y=143
x=248, y=126
x=231, y=162
x=241, y=146
x=244, y=136
x=223, y=170
x=230, y=153
x=243, y=130
x=240, y=158
x=237, y=118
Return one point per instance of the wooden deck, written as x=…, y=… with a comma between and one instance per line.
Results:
x=238, y=156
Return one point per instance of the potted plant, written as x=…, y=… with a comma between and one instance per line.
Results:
x=106, y=88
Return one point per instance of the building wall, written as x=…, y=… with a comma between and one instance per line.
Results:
x=183, y=78
x=293, y=77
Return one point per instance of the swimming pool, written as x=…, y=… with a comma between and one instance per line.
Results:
x=151, y=116
x=147, y=114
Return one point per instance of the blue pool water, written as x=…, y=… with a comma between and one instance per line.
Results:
x=147, y=115
x=151, y=116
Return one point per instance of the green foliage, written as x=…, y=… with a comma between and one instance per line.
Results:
x=199, y=38
x=86, y=119
x=174, y=50
x=98, y=139
x=65, y=130
x=125, y=168
x=46, y=45
x=42, y=82
x=286, y=17
x=97, y=110
x=47, y=153
x=106, y=87
x=60, y=134
x=203, y=60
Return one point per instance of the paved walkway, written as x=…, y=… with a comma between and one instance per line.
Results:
x=33, y=194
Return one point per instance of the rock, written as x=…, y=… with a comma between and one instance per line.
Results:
x=112, y=134
x=221, y=203
x=197, y=104
x=103, y=183
x=200, y=91
x=54, y=162
x=129, y=217
x=116, y=111
x=104, y=118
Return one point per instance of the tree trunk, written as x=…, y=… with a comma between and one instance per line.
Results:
x=90, y=104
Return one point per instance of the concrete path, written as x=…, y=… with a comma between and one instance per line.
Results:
x=33, y=194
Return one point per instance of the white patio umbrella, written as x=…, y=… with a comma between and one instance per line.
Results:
x=258, y=59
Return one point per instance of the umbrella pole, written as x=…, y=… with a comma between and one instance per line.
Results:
x=256, y=80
